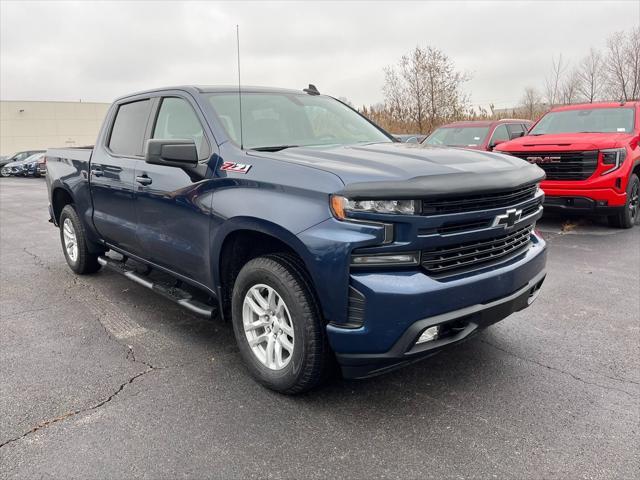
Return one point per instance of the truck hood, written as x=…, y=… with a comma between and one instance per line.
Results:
x=566, y=141
x=409, y=170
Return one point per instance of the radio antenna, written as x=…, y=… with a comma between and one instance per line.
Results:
x=239, y=87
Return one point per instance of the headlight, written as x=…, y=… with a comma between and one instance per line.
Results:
x=613, y=157
x=342, y=206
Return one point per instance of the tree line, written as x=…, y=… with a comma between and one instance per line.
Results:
x=424, y=89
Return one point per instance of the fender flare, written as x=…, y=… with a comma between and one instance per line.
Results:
x=261, y=226
x=55, y=186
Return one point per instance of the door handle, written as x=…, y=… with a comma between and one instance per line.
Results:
x=143, y=180
x=96, y=172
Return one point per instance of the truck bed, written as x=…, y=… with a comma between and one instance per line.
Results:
x=73, y=153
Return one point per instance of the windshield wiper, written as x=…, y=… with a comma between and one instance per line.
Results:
x=273, y=148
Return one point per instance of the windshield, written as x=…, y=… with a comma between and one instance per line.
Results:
x=595, y=120
x=458, y=136
x=290, y=119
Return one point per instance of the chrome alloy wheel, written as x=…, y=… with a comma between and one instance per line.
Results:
x=268, y=326
x=70, y=241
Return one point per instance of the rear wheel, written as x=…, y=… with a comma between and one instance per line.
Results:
x=74, y=243
x=630, y=213
x=278, y=325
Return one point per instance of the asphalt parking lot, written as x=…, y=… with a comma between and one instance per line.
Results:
x=101, y=378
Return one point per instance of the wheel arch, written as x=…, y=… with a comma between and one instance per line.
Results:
x=243, y=238
x=60, y=197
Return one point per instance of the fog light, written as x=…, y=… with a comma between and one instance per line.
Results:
x=429, y=335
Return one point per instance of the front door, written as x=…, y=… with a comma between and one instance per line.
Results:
x=113, y=166
x=173, y=203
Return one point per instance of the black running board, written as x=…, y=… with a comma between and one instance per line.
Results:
x=178, y=295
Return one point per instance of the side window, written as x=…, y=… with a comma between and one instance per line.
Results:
x=177, y=120
x=127, y=134
x=515, y=130
x=500, y=133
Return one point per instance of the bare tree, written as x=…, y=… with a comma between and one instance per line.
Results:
x=590, y=76
x=622, y=64
x=395, y=95
x=570, y=88
x=633, y=56
x=554, y=79
x=531, y=102
x=425, y=89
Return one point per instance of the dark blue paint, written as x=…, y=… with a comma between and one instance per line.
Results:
x=180, y=221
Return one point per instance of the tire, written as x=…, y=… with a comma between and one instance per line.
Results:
x=308, y=364
x=82, y=262
x=629, y=215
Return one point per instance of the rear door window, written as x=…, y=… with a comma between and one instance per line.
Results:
x=127, y=134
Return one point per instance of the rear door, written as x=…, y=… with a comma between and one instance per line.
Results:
x=173, y=204
x=113, y=166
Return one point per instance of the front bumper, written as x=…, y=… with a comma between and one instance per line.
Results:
x=465, y=322
x=400, y=306
x=583, y=204
x=587, y=195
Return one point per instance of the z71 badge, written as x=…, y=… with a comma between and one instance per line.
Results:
x=235, y=167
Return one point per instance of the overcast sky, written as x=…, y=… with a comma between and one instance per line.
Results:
x=96, y=51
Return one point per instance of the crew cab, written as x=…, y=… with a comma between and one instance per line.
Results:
x=478, y=134
x=312, y=230
x=591, y=156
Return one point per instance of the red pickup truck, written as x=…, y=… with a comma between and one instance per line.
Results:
x=591, y=156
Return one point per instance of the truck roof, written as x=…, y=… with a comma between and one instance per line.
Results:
x=483, y=123
x=582, y=106
x=215, y=89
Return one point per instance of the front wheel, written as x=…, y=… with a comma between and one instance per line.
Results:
x=630, y=213
x=74, y=243
x=278, y=324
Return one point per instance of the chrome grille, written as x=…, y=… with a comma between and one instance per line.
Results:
x=470, y=255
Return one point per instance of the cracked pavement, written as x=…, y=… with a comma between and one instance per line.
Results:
x=101, y=378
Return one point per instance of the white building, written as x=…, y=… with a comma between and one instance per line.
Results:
x=28, y=125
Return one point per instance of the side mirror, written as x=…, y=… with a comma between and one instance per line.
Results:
x=172, y=153
x=495, y=143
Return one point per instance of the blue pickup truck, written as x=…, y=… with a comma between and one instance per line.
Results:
x=312, y=230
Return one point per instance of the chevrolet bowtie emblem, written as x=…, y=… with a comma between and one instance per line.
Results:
x=508, y=219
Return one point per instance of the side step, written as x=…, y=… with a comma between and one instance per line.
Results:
x=176, y=294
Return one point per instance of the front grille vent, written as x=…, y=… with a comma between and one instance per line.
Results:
x=470, y=255
x=485, y=201
x=563, y=165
